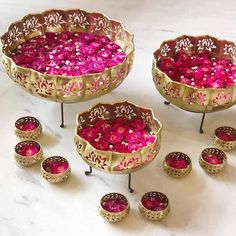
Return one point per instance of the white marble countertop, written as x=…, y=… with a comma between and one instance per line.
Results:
x=200, y=204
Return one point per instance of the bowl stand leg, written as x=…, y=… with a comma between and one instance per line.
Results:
x=202, y=121
x=89, y=172
x=129, y=184
x=62, y=116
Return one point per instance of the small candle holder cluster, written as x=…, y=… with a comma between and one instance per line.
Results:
x=225, y=138
x=114, y=207
x=177, y=164
x=213, y=160
x=28, y=152
x=55, y=169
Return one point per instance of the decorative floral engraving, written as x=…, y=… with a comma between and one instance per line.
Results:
x=125, y=110
x=74, y=88
x=222, y=99
x=98, y=112
x=101, y=24
x=53, y=19
x=207, y=44
x=13, y=35
x=78, y=20
x=97, y=160
x=165, y=49
x=127, y=163
x=197, y=98
x=171, y=90
x=230, y=49
x=31, y=25
x=183, y=44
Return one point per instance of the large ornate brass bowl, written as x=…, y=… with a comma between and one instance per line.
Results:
x=67, y=89
x=115, y=162
x=187, y=97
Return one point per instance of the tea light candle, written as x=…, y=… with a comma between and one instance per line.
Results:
x=213, y=160
x=114, y=207
x=225, y=138
x=28, y=153
x=154, y=205
x=55, y=169
x=177, y=164
x=27, y=127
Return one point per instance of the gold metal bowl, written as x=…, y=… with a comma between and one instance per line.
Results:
x=223, y=144
x=151, y=214
x=113, y=216
x=175, y=172
x=213, y=168
x=115, y=162
x=28, y=160
x=55, y=178
x=67, y=89
x=28, y=134
x=186, y=97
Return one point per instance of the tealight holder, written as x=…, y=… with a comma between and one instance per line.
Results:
x=213, y=160
x=177, y=164
x=114, y=207
x=154, y=206
x=27, y=128
x=28, y=153
x=225, y=138
x=55, y=169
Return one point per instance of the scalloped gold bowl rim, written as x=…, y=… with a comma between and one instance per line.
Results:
x=188, y=86
x=84, y=78
x=113, y=103
x=127, y=171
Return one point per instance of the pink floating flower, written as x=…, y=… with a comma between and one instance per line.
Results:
x=137, y=124
x=69, y=54
x=101, y=144
x=167, y=63
x=28, y=150
x=89, y=133
x=114, y=205
x=59, y=167
x=200, y=70
x=121, y=129
x=113, y=137
x=27, y=126
x=213, y=158
x=102, y=126
x=133, y=137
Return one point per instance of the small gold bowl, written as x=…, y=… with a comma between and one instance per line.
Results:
x=213, y=160
x=154, y=205
x=27, y=128
x=225, y=138
x=114, y=207
x=55, y=169
x=28, y=153
x=177, y=164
